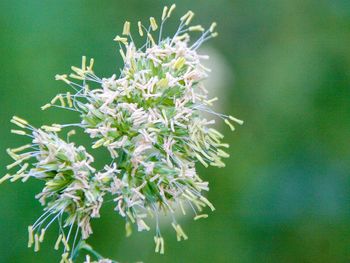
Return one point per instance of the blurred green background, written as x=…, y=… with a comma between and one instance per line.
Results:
x=285, y=70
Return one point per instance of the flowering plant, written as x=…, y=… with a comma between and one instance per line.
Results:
x=151, y=119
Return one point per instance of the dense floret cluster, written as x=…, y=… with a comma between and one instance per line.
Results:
x=155, y=120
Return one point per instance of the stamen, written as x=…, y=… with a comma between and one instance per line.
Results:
x=126, y=29
x=50, y=129
x=10, y=166
x=236, y=120
x=91, y=64
x=20, y=120
x=12, y=154
x=121, y=40
x=196, y=28
x=206, y=201
x=182, y=37
x=69, y=100
x=71, y=133
x=229, y=124
x=153, y=22
x=30, y=236
x=179, y=232
x=151, y=39
x=24, y=167
x=121, y=51
x=65, y=243
x=201, y=160
x=46, y=106
x=63, y=78
x=182, y=208
x=42, y=235
x=165, y=9
x=161, y=245
x=53, y=101
x=189, y=18
x=18, y=123
x=157, y=241
x=64, y=258
x=140, y=28
x=200, y=216
x=212, y=27
x=171, y=9
x=128, y=229
x=74, y=76
x=37, y=243
x=98, y=143
x=223, y=154
x=57, y=244
x=185, y=16
x=130, y=216
x=4, y=178
x=83, y=63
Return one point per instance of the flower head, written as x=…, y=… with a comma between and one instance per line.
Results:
x=71, y=194
x=152, y=119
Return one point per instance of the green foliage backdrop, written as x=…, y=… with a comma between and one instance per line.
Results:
x=284, y=196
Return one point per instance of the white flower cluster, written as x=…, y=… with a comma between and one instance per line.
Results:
x=151, y=120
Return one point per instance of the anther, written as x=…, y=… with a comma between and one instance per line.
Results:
x=165, y=9
x=126, y=29
x=140, y=28
x=153, y=22
x=196, y=28
x=171, y=9
x=212, y=27
x=30, y=236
